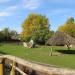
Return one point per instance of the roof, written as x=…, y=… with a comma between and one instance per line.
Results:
x=60, y=38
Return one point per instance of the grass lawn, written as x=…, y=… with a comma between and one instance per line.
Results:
x=42, y=54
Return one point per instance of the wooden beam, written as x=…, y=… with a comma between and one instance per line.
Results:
x=19, y=70
x=13, y=69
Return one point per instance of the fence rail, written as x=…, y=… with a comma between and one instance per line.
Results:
x=30, y=68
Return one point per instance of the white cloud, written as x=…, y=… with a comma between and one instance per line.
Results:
x=58, y=11
x=3, y=1
x=11, y=8
x=31, y=4
x=62, y=1
x=8, y=11
x=3, y=14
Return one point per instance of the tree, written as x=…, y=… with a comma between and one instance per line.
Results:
x=6, y=33
x=68, y=27
x=35, y=27
x=41, y=36
x=1, y=36
x=13, y=34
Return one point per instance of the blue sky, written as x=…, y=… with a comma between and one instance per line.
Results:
x=14, y=12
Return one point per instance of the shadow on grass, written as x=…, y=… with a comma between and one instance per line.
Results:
x=1, y=44
x=1, y=52
x=66, y=51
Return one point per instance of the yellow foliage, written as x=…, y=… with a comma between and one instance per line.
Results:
x=68, y=27
x=33, y=23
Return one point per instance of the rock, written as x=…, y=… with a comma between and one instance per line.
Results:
x=29, y=44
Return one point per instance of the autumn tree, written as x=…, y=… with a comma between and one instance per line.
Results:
x=68, y=27
x=35, y=27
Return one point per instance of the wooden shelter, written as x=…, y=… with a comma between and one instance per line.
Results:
x=61, y=39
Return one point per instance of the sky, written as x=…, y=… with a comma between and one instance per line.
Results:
x=14, y=12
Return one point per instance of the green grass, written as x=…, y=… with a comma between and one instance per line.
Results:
x=40, y=54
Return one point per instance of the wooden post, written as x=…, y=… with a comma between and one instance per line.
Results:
x=50, y=53
x=13, y=69
x=2, y=66
x=1, y=69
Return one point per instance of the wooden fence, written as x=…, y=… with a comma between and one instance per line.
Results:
x=23, y=67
